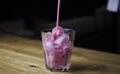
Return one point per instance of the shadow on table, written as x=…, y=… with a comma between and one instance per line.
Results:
x=87, y=67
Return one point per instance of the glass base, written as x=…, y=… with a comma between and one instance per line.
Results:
x=65, y=69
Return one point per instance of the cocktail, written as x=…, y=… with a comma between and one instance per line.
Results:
x=57, y=44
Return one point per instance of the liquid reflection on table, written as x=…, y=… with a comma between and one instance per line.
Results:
x=25, y=56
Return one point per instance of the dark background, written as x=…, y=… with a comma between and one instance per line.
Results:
x=47, y=8
x=35, y=13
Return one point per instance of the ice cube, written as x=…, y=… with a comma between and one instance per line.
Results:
x=61, y=41
x=67, y=45
x=49, y=45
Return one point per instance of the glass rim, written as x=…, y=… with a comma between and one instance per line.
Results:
x=50, y=29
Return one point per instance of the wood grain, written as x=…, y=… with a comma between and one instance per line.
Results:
x=20, y=55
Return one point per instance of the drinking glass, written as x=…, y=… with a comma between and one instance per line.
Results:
x=57, y=53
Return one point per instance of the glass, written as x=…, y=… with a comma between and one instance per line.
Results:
x=58, y=53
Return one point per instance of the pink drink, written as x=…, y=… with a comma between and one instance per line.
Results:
x=57, y=44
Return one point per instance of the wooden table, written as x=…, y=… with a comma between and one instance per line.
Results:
x=25, y=56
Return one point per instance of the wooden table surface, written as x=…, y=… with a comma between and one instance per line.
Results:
x=20, y=55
